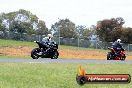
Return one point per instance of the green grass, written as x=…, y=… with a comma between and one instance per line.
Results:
x=56, y=75
x=12, y=43
x=80, y=48
x=20, y=57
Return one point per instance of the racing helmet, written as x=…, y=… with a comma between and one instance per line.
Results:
x=50, y=35
x=119, y=40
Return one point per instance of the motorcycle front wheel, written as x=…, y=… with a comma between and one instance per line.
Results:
x=123, y=57
x=34, y=53
x=109, y=57
x=55, y=56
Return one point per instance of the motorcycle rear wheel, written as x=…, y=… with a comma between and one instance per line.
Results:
x=34, y=53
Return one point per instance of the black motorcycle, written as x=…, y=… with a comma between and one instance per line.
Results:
x=45, y=52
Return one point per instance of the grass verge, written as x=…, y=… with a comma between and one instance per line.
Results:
x=12, y=57
x=22, y=49
x=14, y=43
x=56, y=75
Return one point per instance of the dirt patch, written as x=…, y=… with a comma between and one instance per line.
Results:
x=13, y=51
x=82, y=54
x=64, y=53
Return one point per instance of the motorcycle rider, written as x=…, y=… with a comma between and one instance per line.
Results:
x=117, y=46
x=47, y=42
x=47, y=39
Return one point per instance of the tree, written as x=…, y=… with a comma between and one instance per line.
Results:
x=86, y=33
x=79, y=30
x=82, y=31
x=109, y=29
x=126, y=35
x=65, y=28
x=2, y=26
x=23, y=21
x=42, y=29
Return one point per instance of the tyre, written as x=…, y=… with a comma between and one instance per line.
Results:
x=109, y=56
x=55, y=56
x=34, y=53
x=123, y=57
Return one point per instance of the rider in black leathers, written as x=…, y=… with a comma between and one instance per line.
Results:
x=117, y=46
x=47, y=42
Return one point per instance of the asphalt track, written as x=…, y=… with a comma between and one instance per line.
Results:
x=18, y=60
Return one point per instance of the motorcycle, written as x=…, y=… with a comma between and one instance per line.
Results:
x=42, y=51
x=113, y=56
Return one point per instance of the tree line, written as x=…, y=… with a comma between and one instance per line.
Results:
x=23, y=21
x=107, y=30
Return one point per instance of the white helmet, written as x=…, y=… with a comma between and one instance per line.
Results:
x=50, y=35
x=119, y=40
